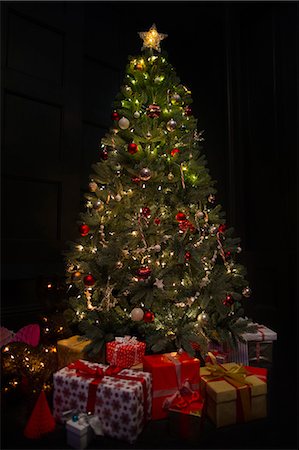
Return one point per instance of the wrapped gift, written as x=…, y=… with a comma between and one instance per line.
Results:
x=172, y=372
x=256, y=349
x=125, y=351
x=233, y=393
x=79, y=433
x=72, y=349
x=186, y=417
x=121, y=399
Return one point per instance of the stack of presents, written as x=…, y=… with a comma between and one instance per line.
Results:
x=118, y=399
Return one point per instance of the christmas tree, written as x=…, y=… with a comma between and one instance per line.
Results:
x=155, y=258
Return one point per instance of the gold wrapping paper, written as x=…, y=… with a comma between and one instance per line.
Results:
x=221, y=397
x=71, y=349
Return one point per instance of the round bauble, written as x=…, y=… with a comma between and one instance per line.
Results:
x=174, y=152
x=222, y=228
x=132, y=148
x=143, y=273
x=145, y=174
x=153, y=111
x=239, y=249
x=199, y=214
x=84, y=229
x=89, y=280
x=188, y=111
x=246, y=292
x=188, y=256
x=118, y=197
x=123, y=123
x=180, y=216
x=228, y=301
x=171, y=125
x=203, y=318
x=146, y=212
x=170, y=176
x=92, y=186
x=103, y=154
x=148, y=317
x=148, y=135
x=157, y=221
x=128, y=89
x=136, y=114
x=228, y=255
x=157, y=248
x=115, y=115
x=135, y=180
x=137, y=314
x=180, y=351
x=76, y=276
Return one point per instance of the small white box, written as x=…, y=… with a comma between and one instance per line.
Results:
x=78, y=435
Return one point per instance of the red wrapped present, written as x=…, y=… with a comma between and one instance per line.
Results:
x=125, y=351
x=121, y=399
x=172, y=373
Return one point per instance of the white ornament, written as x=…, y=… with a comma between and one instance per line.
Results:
x=137, y=314
x=123, y=123
x=159, y=283
x=157, y=248
x=136, y=114
x=118, y=197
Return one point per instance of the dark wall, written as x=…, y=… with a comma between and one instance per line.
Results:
x=63, y=64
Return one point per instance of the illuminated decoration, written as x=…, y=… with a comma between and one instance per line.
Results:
x=151, y=38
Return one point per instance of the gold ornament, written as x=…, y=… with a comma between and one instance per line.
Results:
x=170, y=176
x=151, y=38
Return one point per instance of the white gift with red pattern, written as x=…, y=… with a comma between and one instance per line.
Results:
x=119, y=403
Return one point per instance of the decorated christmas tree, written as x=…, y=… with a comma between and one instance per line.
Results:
x=155, y=258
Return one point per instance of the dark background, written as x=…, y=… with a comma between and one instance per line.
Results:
x=62, y=66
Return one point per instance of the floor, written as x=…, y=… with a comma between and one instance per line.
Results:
x=278, y=430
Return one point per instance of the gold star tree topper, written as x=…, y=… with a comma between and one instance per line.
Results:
x=151, y=38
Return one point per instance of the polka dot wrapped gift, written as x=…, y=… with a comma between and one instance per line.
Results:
x=125, y=351
x=120, y=398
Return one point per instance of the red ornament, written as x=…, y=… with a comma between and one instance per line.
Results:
x=148, y=316
x=132, y=148
x=84, y=229
x=146, y=212
x=187, y=256
x=174, y=151
x=185, y=225
x=135, y=180
x=222, y=228
x=104, y=154
x=115, y=115
x=153, y=111
x=89, y=280
x=228, y=255
x=180, y=216
x=228, y=301
x=188, y=111
x=157, y=221
x=143, y=273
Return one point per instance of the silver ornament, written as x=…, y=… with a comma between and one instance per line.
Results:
x=118, y=197
x=136, y=114
x=239, y=249
x=199, y=214
x=137, y=314
x=123, y=123
x=145, y=174
x=171, y=125
x=157, y=248
x=246, y=292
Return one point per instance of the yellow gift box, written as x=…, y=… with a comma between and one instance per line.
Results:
x=71, y=349
x=232, y=394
